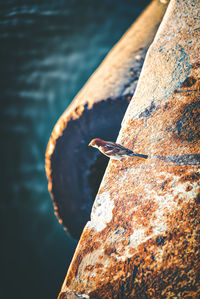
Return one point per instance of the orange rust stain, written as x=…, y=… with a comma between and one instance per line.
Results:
x=160, y=130
x=164, y=186
x=77, y=112
x=109, y=249
x=99, y=265
x=85, y=250
x=190, y=81
x=145, y=276
x=89, y=267
x=191, y=177
x=168, y=249
x=162, y=264
x=188, y=188
x=62, y=296
x=179, y=241
x=196, y=65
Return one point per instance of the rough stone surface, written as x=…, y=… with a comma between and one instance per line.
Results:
x=148, y=243
x=75, y=171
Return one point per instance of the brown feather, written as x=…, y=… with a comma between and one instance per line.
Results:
x=114, y=150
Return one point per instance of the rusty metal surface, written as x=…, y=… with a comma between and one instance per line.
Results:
x=74, y=172
x=143, y=240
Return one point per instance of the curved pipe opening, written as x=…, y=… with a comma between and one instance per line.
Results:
x=76, y=169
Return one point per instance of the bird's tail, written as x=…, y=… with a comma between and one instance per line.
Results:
x=139, y=156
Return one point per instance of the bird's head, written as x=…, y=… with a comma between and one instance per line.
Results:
x=97, y=142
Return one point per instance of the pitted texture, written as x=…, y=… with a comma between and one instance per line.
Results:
x=150, y=248
x=74, y=172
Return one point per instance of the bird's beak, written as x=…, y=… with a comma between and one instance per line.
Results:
x=90, y=143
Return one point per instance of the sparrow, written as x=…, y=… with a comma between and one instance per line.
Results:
x=114, y=150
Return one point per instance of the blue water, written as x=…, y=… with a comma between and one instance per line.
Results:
x=48, y=49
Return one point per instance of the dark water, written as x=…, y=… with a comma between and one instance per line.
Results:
x=48, y=49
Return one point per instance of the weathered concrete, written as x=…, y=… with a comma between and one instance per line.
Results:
x=74, y=171
x=143, y=240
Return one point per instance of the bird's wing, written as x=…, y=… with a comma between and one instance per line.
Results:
x=124, y=148
x=117, y=148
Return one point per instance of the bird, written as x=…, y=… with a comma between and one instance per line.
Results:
x=114, y=150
